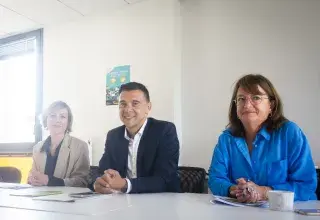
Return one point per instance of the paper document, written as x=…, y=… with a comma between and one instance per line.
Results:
x=234, y=202
x=35, y=193
x=55, y=198
x=14, y=186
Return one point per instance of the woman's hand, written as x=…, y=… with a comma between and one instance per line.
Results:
x=233, y=190
x=38, y=179
x=249, y=192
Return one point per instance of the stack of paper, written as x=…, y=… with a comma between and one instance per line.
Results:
x=35, y=193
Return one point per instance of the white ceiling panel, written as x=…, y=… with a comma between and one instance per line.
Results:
x=45, y=12
x=11, y=22
x=18, y=16
x=94, y=7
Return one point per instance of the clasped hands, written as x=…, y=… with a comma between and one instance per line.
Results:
x=109, y=182
x=38, y=179
x=248, y=191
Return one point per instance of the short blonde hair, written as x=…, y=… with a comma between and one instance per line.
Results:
x=54, y=106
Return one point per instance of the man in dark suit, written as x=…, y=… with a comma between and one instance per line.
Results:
x=142, y=155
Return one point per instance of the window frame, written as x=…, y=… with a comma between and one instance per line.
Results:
x=25, y=148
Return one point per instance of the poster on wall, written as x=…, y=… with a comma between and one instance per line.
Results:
x=115, y=78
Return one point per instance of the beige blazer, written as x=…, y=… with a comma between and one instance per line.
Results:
x=72, y=164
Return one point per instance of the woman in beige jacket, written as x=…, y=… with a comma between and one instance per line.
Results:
x=60, y=160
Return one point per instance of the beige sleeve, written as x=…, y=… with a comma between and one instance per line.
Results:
x=80, y=172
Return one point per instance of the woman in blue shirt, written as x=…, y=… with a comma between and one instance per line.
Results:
x=261, y=150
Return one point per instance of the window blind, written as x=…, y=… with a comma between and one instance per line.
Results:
x=19, y=47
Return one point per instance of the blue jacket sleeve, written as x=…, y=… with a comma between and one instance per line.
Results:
x=302, y=177
x=219, y=182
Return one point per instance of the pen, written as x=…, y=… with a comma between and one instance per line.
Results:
x=248, y=189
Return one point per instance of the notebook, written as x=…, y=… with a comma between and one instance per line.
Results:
x=234, y=202
x=308, y=211
x=55, y=198
x=35, y=193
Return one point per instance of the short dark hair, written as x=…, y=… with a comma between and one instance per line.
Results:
x=135, y=86
x=250, y=84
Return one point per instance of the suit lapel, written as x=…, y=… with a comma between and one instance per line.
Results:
x=63, y=158
x=42, y=160
x=122, y=153
x=147, y=136
x=42, y=155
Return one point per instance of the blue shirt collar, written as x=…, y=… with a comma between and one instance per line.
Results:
x=264, y=132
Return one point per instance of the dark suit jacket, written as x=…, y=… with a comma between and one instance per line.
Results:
x=157, y=159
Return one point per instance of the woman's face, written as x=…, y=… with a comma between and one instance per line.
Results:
x=57, y=121
x=253, y=109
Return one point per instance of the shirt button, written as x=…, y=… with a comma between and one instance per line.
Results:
x=254, y=161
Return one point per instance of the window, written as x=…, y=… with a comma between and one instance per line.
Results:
x=20, y=92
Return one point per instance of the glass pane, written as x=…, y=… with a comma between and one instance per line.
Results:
x=17, y=98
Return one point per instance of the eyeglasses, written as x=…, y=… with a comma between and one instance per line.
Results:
x=254, y=99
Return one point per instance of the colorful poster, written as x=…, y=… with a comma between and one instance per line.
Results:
x=115, y=78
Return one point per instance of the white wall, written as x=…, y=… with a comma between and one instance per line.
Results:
x=222, y=40
x=77, y=57
x=189, y=64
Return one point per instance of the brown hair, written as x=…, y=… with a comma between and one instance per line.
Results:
x=250, y=84
x=54, y=106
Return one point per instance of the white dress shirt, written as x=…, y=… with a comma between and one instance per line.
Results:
x=132, y=154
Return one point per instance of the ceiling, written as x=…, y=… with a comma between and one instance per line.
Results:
x=17, y=16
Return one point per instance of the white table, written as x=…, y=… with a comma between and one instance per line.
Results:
x=137, y=206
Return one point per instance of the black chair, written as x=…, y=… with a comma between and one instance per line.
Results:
x=192, y=179
x=93, y=175
x=10, y=175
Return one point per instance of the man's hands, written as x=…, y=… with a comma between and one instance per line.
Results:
x=111, y=181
